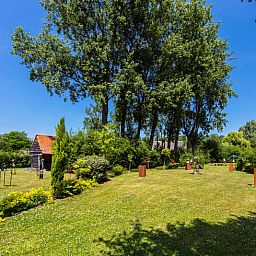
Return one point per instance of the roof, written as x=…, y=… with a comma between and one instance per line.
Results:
x=45, y=142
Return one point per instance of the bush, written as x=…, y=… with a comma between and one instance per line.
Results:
x=92, y=167
x=141, y=152
x=159, y=168
x=173, y=166
x=155, y=159
x=75, y=187
x=119, y=151
x=20, y=201
x=134, y=170
x=185, y=157
x=118, y=170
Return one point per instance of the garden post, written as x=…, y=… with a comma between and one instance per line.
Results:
x=188, y=166
x=142, y=169
x=231, y=167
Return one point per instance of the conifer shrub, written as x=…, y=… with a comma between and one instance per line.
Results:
x=59, y=158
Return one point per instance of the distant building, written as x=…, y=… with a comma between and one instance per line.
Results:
x=159, y=144
x=42, y=148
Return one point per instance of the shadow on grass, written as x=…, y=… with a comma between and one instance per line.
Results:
x=235, y=237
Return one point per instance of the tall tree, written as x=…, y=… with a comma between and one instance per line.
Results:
x=204, y=64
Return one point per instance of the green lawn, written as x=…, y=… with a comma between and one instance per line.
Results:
x=166, y=213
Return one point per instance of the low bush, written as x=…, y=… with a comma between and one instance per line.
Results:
x=75, y=187
x=17, y=202
x=173, y=166
x=118, y=170
x=92, y=167
x=159, y=168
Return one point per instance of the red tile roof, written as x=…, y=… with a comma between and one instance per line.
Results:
x=46, y=143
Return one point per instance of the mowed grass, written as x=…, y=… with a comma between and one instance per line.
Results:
x=168, y=212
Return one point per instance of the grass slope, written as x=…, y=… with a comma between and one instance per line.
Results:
x=165, y=213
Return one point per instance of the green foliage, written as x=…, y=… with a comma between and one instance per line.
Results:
x=212, y=145
x=120, y=152
x=73, y=187
x=236, y=139
x=14, y=141
x=141, y=153
x=118, y=170
x=249, y=132
x=16, y=202
x=60, y=158
x=20, y=160
x=172, y=166
x=186, y=157
x=92, y=167
x=155, y=159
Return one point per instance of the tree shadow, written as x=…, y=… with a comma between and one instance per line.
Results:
x=235, y=237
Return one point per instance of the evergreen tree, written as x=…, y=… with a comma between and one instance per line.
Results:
x=59, y=158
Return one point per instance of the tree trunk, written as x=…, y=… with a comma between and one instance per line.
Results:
x=153, y=129
x=123, y=111
x=104, y=118
x=139, y=129
x=176, y=141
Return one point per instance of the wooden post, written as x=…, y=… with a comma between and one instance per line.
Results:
x=142, y=170
x=231, y=167
x=188, y=166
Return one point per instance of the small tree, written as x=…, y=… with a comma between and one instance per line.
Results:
x=60, y=158
x=166, y=153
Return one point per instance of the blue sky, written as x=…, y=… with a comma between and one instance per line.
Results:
x=25, y=105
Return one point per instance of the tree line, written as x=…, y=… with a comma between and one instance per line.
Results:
x=160, y=63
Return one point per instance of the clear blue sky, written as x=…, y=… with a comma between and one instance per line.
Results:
x=25, y=105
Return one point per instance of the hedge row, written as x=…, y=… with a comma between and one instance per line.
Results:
x=20, y=160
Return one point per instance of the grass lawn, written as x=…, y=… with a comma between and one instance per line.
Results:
x=166, y=213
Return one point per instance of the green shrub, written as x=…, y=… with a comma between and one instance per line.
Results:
x=173, y=166
x=155, y=159
x=134, y=170
x=75, y=187
x=185, y=157
x=118, y=170
x=20, y=201
x=119, y=151
x=141, y=152
x=92, y=167
x=159, y=168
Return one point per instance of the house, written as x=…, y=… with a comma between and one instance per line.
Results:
x=42, y=148
x=160, y=144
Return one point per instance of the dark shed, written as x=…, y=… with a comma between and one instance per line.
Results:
x=42, y=148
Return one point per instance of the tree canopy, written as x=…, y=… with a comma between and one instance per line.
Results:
x=160, y=62
x=249, y=132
